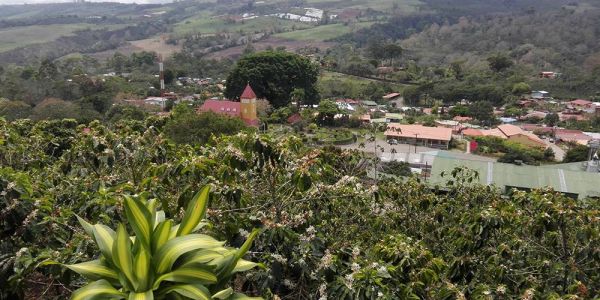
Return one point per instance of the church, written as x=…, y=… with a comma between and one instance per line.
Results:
x=245, y=109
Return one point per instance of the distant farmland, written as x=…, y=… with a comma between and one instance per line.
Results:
x=17, y=37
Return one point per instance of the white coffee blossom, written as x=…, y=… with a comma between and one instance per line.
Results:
x=243, y=232
x=279, y=258
x=355, y=267
x=326, y=260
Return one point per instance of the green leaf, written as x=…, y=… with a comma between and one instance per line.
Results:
x=167, y=254
x=224, y=294
x=141, y=269
x=97, y=289
x=140, y=219
x=147, y=295
x=189, y=274
x=201, y=256
x=194, y=212
x=244, y=265
x=195, y=291
x=104, y=237
x=122, y=254
x=87, y=227
x=161, y=234
x=94, y=270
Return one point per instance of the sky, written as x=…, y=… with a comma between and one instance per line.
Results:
x=61, y=1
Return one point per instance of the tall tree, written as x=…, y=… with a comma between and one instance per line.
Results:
x=273, y=75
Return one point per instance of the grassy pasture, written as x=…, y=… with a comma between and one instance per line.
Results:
x=323, y=32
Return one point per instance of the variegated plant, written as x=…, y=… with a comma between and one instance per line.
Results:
x=162, y=260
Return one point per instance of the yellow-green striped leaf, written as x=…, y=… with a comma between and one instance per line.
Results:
x=173, y=249
x=192, y=291
x=243, y=265
x=94, y=270
x=122, y=254
x=225, y=273
x=104, y=237
x=141, y=269
x=97, y=289
x=224, y=294
x=161, y=234
x=191, y=274
x=147, y=295
x=194, y=212
x=159, y=217
x=200, y=257
x=87, y=227
x=140, y=219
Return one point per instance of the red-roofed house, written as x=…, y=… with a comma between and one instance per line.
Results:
x=472, y=132
x=581, y=104
x=435, y=137
x=575, y=136
x=245, y=109
x=515, y=134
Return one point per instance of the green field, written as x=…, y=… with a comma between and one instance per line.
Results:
x=206, y=24
x=323, y=32
x=405, y=5
x=16, y=37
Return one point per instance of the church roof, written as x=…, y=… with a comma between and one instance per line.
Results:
x=248, y=93
x=223, y=107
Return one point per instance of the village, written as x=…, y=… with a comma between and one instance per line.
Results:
x=427, y=139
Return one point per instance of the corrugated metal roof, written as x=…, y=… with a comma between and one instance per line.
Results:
x=564, y=178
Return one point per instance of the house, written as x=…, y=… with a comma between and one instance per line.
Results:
x=472, y=132
x=515, y=134
x=435, y=137
x=392, y=96
x=393, y=117
x=534, y=115
x=540, y=95
x=245, y=109
x=583, y=105
x=572, y=136
x=572, y=115
x=369, y=104
x=550, y=75
x=158, y=101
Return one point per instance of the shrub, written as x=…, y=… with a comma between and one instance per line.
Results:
x=162, y=258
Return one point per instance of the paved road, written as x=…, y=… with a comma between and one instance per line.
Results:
x=404, y=148
x=559, y=153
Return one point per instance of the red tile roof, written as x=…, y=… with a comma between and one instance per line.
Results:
x=472, y=132
x=421, y=132
x=580, y=102
x=510, y=130
x=390, y=96
x=227, y=107
x=248, y=93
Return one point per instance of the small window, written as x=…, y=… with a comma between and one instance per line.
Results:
x=222, y=108
x=228, y=109
x=234, y=109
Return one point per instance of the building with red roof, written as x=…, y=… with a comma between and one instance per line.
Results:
x=245, y=109
x=435, y=137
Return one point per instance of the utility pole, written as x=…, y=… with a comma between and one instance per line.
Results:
x=416, y=136
x=162, y=75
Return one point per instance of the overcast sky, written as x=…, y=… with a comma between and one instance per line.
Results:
x=56, y=1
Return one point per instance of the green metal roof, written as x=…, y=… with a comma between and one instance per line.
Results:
x=563, y=178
